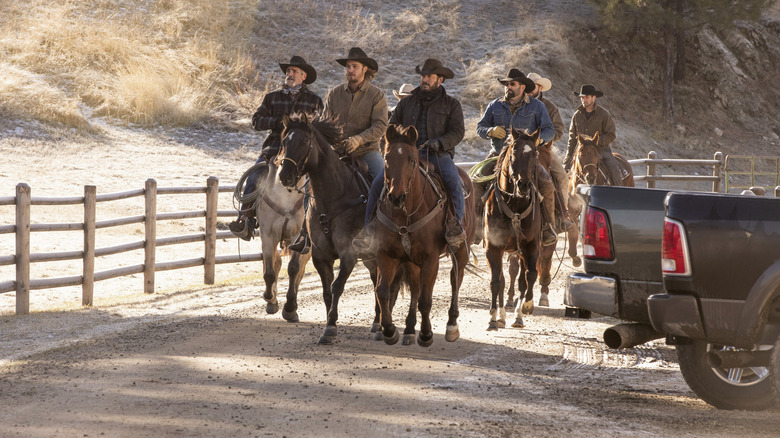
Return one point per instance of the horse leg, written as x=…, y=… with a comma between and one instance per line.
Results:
x=346, y=265
x=494, y=256
x=324, y=267
x=386, y=267
x=272, y=263
x=531, y=255
x=428, y=272
x=573, y=235
x=295, y=270
x=413, y=276
x=459, y=262
x=544, y=265
x=514, y=269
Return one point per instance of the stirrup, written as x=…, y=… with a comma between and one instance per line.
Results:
x=243, y=229
x=302, y=244
x=549, y=237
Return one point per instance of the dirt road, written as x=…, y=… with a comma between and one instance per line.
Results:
x=210, y=362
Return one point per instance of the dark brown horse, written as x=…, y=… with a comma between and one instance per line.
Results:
x=410, y=230
x=587, y=168
x=335, y=215
x=513, y=222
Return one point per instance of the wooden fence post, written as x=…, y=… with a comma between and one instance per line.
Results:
x=651, y=169
x=23, y=200
x=717, y=172
x=88, y=263
x=777, y=192
x=150, y=227
x=212, y=203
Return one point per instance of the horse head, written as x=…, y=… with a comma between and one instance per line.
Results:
x=401, y=162
x=293, y=158
x=588, y=158
x=520, y=159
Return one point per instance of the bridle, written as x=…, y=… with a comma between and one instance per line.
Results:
x=503, y=205
x=580, y=170
x=297, y=166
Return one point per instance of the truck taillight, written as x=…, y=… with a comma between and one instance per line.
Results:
x=595, y=237
x=674, y=259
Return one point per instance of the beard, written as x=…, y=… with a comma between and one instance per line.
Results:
x=509, y=94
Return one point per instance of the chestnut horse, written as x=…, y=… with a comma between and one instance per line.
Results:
x=587, y=168
x=335, y=215
x=513, y=222
x=410, y=229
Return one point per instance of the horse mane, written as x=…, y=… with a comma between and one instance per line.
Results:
x=327, y=127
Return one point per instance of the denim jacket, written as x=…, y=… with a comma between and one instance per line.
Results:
x=531, y=116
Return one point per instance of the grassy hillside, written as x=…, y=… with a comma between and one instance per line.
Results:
x=178, y=63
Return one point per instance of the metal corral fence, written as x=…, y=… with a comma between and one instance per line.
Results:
x=652, y=164
x=744, y=172
x=22, y=259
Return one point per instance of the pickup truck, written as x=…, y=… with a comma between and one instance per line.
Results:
x=623, y=231
x=721, y=305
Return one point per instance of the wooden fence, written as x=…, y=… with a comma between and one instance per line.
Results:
x=23, y=227
x=652, y=175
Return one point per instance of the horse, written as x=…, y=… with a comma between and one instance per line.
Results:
x=410, y=229
x=587, y=168
x=279, y=213
x=338, y=204
x=513, y=222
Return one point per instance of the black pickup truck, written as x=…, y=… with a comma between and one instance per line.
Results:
x=623, y=232
x=721, y=306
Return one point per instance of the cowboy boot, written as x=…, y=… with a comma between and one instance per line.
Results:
x=454, y=234
x=302, y=243
x=244, y=226
x=364, y=243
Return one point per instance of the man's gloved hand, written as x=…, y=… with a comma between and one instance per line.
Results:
x=497, y=132
x=432, y=145
x=352, y=143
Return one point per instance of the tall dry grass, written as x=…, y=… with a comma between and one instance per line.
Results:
x=183, y=62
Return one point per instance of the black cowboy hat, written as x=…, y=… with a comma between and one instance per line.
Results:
x=434, y=66
x=516, y=75
x=297, y=61
x=357, y=54
x=588, y=90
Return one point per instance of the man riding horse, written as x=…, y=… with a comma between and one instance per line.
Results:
x=519, y=111
x=438, y=119
x=293, y=97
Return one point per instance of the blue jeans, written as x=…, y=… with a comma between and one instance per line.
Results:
x=375, y=162
x=251, y=180
x=445, y=166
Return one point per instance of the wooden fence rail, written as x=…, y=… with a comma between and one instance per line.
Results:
x=22, y=285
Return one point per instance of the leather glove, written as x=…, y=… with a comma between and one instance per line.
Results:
x=497, y=132
x=352, y=143
x=432, y=145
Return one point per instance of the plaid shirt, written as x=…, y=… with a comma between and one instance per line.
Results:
x=275, y=105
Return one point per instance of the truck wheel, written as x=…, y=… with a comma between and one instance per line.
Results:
x=774, y=368
x=735, y=388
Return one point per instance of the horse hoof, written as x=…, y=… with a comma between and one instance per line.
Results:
x=518, y=323
x=544, y=300
x=392, y=340
x=378, y=336
x=271, y=308
x=501, y=323
x=328, y=335
x=375, y=327
x=424, y=342
x=576, y=261
x=408, y=339
x=290, y=316
x=527, y=308
x=492, y=326
x=326, y=340
x=509, y=307
x=452, y=334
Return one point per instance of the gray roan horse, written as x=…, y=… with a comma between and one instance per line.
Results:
x=335, y=215
x=280, y=215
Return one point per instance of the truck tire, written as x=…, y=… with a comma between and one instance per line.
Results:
x=774, y=368
x=738, y=388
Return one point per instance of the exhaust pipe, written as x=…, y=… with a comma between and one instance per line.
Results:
x=738, y=359
x=630, y=335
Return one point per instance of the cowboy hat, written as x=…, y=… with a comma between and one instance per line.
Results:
x=405, y=90
x=588, y=90
x=434, y=66
x=297, y=61
x=543, y=83
x=516, y=75
x=357, y=54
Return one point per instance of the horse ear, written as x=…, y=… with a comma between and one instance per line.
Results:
x=391, y=133
x=412, y=135
x=305, y=118
x=596, y=139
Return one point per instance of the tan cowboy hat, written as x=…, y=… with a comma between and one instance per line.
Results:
x=543, y=83
x=588, y=90
x=357, y=54
x=434, y=66
x=516, y=75
x=405, y=90
x=297, y=61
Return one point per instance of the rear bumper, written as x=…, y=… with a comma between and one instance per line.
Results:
x=592, y=292
x=677, y=315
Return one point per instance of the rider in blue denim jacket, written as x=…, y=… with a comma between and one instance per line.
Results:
x=517, y=110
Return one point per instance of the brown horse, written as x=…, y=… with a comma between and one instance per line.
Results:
x=587, y=168
x=513, y=222
x=410, y=228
